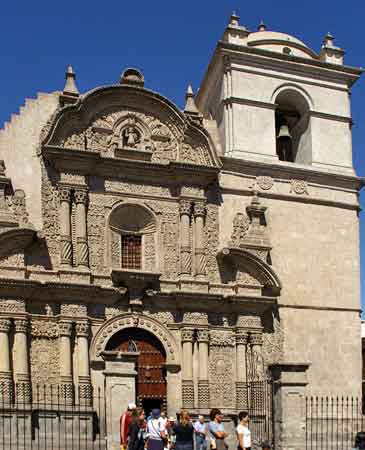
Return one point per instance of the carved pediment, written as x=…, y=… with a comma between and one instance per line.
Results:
x=242, y=267
x=126, y=121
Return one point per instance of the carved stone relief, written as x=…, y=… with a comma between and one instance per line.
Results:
x=196, y=318
x=273, y=343
x=212, y=242
x=44, y=329
x=299, y=187
x=12, y=306
x=44, y=353
x=221, y=372
x=14, y=260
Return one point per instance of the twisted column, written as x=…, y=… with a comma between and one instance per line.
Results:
x=185, y=211
x=6, y=382
x=21, y=366
x=203, y=383
x=82, y=334
x=82, y=249
x=65, y=225
x=241, y=371
x=66, y=381
x=200, y=261
x=187, y=338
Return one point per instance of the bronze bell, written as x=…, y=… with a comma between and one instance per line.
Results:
x=284, y=132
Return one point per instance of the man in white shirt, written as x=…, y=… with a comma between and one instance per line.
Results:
x=200, y=429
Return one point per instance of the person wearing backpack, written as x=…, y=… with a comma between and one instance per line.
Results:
x=156, y=430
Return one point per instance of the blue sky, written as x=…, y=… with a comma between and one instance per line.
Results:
x=171, y=42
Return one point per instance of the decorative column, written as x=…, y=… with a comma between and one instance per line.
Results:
x=203, y=383
x=185, y=211
x=241, y=371
x=6, y=382
x=258, y=376
x=187, y=338
x=66, y=381
x=20, y=361
x=200, y=261
x=82, y=334
x=65, y=225
x=82, y=249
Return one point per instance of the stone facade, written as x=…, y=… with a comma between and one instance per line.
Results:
x=240, y=253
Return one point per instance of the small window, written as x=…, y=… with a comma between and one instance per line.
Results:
x=132, y=252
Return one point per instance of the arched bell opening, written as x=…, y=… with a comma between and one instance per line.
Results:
x=292, y=127
x=150, y=365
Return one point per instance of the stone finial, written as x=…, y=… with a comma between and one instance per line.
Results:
x=328, y=40
x=262, y=26
x=190, y=106
x=132, y=77
x=70, y=86
x=234, y=19
x=330, y=53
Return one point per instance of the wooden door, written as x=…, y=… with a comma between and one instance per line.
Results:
x=151, y=378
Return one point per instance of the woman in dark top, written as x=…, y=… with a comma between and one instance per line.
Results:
x=184, y=432
x=135, y=430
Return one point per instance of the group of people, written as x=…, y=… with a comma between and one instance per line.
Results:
x=158, y=432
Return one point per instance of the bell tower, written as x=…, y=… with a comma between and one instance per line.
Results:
x=275, y=100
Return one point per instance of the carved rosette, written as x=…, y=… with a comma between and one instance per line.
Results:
x=188, y=394
x=203, y=335
x=5, y=325
x=203, y=393
x=65, y=328
x=187, y=335
x=241, y=395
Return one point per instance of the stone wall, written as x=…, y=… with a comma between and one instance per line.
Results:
x=19, y=143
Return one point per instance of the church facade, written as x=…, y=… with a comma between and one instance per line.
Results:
x=169, y=256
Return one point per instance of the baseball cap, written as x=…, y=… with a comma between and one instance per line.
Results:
x=131, y=406
x=156, y=413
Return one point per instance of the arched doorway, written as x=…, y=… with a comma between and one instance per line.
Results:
x=150, y=365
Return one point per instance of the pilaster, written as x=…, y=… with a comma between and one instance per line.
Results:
x=187, y=338
x=203, y=383
x=185, y=247
x=84, y=381
x=64, y=193
x=20, y=361
x=66, y=380
x=200, y=260
x=6, y=382
x=82, y=249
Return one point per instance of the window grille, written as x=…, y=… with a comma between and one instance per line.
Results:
x=131, y=252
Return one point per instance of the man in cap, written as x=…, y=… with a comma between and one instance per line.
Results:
x=125, y=421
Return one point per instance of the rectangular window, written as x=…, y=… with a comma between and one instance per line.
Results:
x=131, y=252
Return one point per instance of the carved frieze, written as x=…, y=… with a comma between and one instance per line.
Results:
x=246, y=321
x=73, y=309
x=12, y=306
x=222, y=338
x=196, y=318
x=14, y=260
x=44, y=361
x=44, y=329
